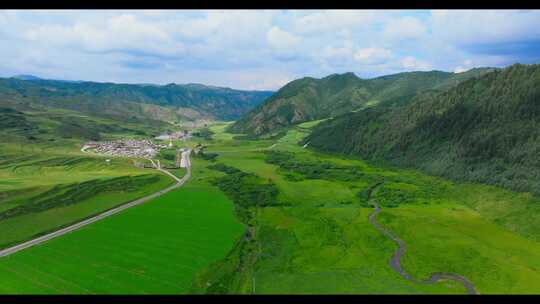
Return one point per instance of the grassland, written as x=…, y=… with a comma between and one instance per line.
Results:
x=316, y=239
x=153, y=248
x=322, y=241
x=46, y=182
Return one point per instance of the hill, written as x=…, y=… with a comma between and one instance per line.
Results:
x=483, y=130
x=311, y=99
x=125, y=102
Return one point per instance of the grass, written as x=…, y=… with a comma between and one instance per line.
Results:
x=47, y=182
x=153, y=248
x=32, y=181
x=320, y=241
x=31, y=224
x=323, y=242
x=459, y=240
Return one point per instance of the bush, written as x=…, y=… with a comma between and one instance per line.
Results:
x=245, y=189
x=311, y=169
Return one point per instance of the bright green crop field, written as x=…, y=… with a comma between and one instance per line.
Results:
x=153, y=248
x=46, y=185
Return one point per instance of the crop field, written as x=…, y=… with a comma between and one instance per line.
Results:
x=153, y=248
x=41, y=192
x=46, y=182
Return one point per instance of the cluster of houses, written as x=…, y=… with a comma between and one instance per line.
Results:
x=126, y=148
x=180, y=135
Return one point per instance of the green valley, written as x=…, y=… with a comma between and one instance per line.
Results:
x=306, y=230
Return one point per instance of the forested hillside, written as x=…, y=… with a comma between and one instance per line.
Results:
x=130, y=102
x=311, y=99
x=485, y=129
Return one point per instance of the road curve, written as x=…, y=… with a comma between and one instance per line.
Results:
x=395, y=261
x=44, y=238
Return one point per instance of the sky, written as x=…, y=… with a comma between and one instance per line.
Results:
x=259, y=49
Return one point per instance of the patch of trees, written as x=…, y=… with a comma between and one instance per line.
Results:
x=207, y=156
x=296, y=170
x=65, y=195
x=74, y=127
x=16, y=122
x=245, y=189
x=204, y=133
x=485, y=130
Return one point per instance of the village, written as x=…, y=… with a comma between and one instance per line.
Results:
x=126, y=148
x=179, y=135
x=145, y=149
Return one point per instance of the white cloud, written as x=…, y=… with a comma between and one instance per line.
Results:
x=331, y=20
x=485, y=26
x=372, y=55
x=121, y=32
x=404, y=28
x=338, y=52
x=412, y=63
x=281, y=39
x=232, y=47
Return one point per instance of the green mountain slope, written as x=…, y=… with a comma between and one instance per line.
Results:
x=129, y=101
x=485, y=129
x=311, y=99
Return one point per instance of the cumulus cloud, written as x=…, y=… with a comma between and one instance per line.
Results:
x=413, y=63
x=331, y=20
x=232, y=47
x=473, y=27
x=122, y=32
x=372, y=55
x=404, y=28
x=281, y=39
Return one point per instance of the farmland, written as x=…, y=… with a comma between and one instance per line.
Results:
x=46, y=182
x=152, y=248
x=310, y=233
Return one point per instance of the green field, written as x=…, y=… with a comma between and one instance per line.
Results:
x=153, y=248
x=46, y=182
x=322, y=241
x=311, y=236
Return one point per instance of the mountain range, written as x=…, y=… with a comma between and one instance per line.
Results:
x=171, y=102
x=485, y=129
x=309, y=98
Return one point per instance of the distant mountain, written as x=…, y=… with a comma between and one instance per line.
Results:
x=485, y=129
x=310, y=98
x=170, y=102
x=26, y=77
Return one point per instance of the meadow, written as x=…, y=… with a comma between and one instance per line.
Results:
x=311, y=234
x=320, y=240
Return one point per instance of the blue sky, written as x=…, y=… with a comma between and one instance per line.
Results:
x=259, y=49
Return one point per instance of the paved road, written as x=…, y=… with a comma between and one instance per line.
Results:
x=39, y=240
x=395, y=261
